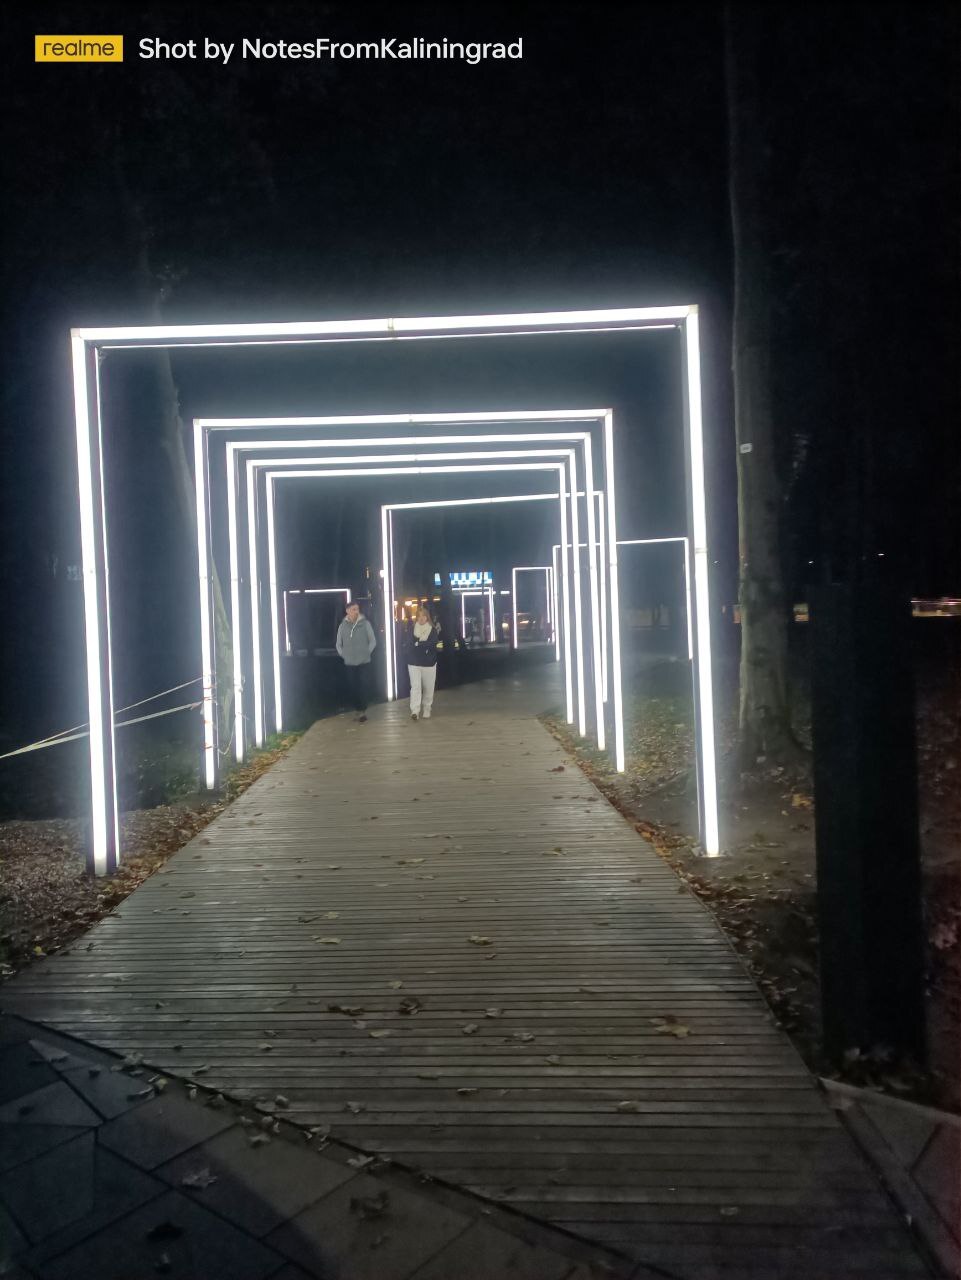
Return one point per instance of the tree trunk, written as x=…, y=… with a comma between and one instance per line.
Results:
x=765, y=726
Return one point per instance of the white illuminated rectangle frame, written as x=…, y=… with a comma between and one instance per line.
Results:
x=310, y=591
x=548, y=571
x=300, y=472
x=88, y=342
x=234, y=448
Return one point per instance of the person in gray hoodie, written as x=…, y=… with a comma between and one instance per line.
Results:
x=355, y=643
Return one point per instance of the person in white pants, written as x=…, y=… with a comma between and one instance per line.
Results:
x=420, y=646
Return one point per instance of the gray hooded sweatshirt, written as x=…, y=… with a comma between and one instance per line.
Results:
x=356, y=641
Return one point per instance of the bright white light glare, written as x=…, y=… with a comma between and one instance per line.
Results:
x=298, y=471
x=573, y=416
x=104, y=836
x=231, y=334
x=708, y=763
x=259, y=724
x=206, y=624
x=274, y=621
x=105, y=820
x=326, y=472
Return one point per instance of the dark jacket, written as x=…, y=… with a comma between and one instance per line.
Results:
x=420, y=653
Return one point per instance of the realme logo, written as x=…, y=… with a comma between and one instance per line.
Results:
x=78, y=48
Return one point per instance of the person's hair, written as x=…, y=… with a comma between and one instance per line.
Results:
x=422, y=609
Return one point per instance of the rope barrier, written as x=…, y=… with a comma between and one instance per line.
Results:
x=72, y=735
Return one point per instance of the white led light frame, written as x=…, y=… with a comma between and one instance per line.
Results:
x=235, y=448
x=309, y=591
x=88, y=345
x=300, y=472
x=390, y=508
x=548, y=571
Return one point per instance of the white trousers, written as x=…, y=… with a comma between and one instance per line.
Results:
x=422, y=681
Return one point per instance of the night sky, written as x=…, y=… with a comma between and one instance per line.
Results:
x=592, y=173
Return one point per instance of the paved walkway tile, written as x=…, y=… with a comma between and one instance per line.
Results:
x=257, y=1187
x=171, y=1235
x=161, y=1129
x=480, y=1254
x=386, y=1233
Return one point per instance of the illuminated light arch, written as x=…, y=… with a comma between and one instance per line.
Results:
x=88, y=344
x=476, y=467
x=203, y=426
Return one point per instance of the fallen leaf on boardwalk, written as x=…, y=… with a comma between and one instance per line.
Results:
x=257, y=1140
x=201, y=1070
x=469, y=1029
x=308, y=919
x=409, y=862
x=395, y=985
x=676, y=1029
x=331, y=915
x=355, y=1108
x=730, y=1210
x=525, y=1037
x=361, y=1162
x=410, y=1005
x=466, y=1093
x=553, y=1059
x=140, y=1094
x=329, y=942
x=371, y=1207
x=558, y=768
x=197, y=1181
x=493, y=1013
x=628, y=1108
x=801, y=801
x=360, y=1025
x=479, y=940
x=428, y=1075
x=351, y=1010
x=266, y=1048
x=379, y=1035
x=334, y=866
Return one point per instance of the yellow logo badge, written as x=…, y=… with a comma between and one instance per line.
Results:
x=78, y=48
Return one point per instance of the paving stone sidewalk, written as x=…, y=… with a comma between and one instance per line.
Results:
x=110, y=1171
x=916, y=1151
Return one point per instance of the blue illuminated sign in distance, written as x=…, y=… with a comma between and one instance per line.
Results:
x=472, y=578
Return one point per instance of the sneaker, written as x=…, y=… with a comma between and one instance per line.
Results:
x=413, y=715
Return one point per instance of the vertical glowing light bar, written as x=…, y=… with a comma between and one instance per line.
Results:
x=597, y=618
x=578, y=605
x=293, y=592
x=566, y=601
x=609, y=487
x=514, y=644
x=687, y=600
x=557, y=613
x=463, y=618
x=602, y=557
x=104, y=831
x=388, y=605
x=274, y=619
x=702, y=603
x=235, y=603
x=490, y=611
x=207, y=672
x=253, y=559
x=394, y=657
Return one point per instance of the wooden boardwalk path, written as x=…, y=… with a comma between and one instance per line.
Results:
x=585, y=1045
